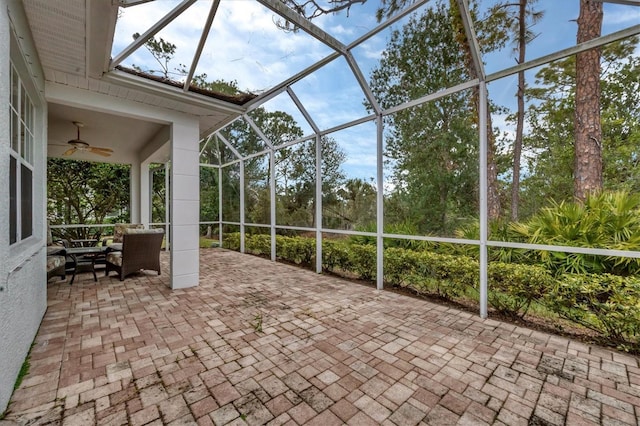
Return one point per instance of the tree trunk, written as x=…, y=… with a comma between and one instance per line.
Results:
x=587, y=174
x=517, y=144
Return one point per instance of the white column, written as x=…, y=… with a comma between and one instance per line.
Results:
x=145, y=194
x=134, y=191
x=185, y=203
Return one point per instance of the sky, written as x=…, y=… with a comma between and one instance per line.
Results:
x=245, y=45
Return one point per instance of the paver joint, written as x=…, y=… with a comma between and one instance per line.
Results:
x=259, y=342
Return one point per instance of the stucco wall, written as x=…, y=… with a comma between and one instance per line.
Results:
x=22, y=266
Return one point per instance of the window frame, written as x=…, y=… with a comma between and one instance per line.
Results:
x=22, y=112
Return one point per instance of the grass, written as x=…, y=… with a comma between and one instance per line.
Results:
x=258, y=322
x=208, y=242
x=24, y=370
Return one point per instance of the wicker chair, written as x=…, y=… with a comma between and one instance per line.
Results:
x=56, y=266
x=56, y=259
x=119, y=229
x=140, y=250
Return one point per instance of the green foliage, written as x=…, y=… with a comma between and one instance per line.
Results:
x=363, y=259
x=606, y=220
x=158, y=193
x=427, y=272
x=299, y=250
x=551, y=117
x=82, y=192
x=231, y=241
x=24, y=369
x=336, y=256
x=514, y=287
x=208, y=242
x=607, y=303
x=209, y=194
x=400, y=228
x=499, y=231
x=258, y=244
x=431, y=148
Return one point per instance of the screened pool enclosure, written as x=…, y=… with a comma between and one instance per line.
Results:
x=401, y=124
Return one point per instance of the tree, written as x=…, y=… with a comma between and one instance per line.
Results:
x=432, y=147
x=588, y=143
x=296, y=181
x=158, y=193
x=516, y=26
x=83, y=192
x=311, y=9
x=493, y=196
x=493, y=36
x=552, y=126
x=162, y=51
x=358, y=203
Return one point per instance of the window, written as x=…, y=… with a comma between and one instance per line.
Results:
x=20, y=161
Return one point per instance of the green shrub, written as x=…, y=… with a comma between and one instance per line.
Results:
x=512, y=287
x=363, y=259
x=402, y=228
x=258, y=244
x=335, y=256
x=498, y=231
x=608, y=220
x=445, y=275
x=450, y=276
x=231, y=241
x=608, y=304
x=299, y=250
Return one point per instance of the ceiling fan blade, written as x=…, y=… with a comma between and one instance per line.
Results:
x=70, y=151
x=99, y=151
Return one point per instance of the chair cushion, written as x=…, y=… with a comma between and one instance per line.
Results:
x=144, y=231
x=115, y=257
x=54, y=262
x=119, y=229
x=52, y=250
x=49, y=235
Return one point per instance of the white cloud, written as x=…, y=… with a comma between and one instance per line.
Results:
x=244, y=43
x=621, y=15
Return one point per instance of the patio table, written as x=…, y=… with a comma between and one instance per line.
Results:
x=85, y=242
x=84, y=259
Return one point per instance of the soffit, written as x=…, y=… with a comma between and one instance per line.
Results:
x=73, y=39
x=59, y=31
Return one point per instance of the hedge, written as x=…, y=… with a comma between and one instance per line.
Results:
x=608, y=304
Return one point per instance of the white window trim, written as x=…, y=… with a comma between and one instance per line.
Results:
x=26, y=125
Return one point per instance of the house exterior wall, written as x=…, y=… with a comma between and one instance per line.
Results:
x=185, y=170
x=22, y=265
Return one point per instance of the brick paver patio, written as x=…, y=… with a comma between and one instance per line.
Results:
x=265, y=343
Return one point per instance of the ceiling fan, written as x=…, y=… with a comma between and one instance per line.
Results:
x=78, y=144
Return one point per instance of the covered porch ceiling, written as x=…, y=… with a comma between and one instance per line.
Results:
x=126, y=136
x=73, y=40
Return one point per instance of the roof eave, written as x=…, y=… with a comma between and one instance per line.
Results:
x=160, y=89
